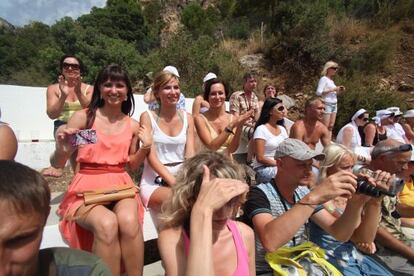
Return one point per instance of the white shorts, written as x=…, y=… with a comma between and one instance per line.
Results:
x=148, y=185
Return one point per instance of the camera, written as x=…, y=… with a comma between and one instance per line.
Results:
x=364, y=187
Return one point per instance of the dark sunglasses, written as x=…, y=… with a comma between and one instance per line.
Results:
x=72, y=66
x=335, y=68
x=281, y=108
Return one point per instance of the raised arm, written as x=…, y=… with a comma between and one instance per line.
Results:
x=138, y=152
x=83, y=93
x=55, y=101
x=204, y=134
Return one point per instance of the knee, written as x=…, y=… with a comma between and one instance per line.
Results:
x=129, y=225
x=107, y=229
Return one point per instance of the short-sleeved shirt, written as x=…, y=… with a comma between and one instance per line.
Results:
x=240, y=104
x=390, y=221
x=271, y=141
x=70, y=261
x=325, y=84
x=395, y=131
x=265, y=198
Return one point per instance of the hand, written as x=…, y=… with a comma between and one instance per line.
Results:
x=367, y=248
x=145, y=136
x=215, y=193
x=241, y=119
x=63, y=138
x=63, y=86
x=342, y=183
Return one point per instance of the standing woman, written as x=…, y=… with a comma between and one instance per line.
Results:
x=328, y=91
x=173, y=135
x=268, y=134
x=200, y=236
x=70, y=94
x=218, y=130
x=113, y=231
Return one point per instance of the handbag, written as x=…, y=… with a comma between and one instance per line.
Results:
x=105, y=196
x=300, y=260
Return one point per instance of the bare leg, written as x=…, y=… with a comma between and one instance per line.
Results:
x=58, y=154
x=104, y=225
x=158, y=197
x=130, y=235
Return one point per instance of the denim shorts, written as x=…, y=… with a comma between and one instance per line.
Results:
x=331, y=108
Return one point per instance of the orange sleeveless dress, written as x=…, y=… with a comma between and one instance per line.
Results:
x=109, y=151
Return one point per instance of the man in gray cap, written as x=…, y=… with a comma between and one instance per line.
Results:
x=278, y=211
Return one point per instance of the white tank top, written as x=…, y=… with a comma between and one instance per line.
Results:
x=169, y=149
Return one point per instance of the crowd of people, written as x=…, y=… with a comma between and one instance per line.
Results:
x=347, y=209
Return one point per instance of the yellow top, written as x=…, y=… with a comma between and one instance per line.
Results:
x=70, y=107
x=407, y=194
x=213, y=134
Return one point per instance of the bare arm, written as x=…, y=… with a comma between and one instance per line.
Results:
x=325, y=140
x=76, y=121
x=259, y=150
x=55, y=103
x=171, y=247
x=8, y=147
x=389, y=241
x=405, y=211
x=365, y=233
x=369, y=131
x=296, y=131
x=409, y=133
x=83, y=96
x=204, y=134
x=347, y=137
x=149, y=96
x=189, y=146
x=406, y=222
x=137, y=153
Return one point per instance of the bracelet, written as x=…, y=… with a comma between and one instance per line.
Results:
x=146, y=147
x=228, y=130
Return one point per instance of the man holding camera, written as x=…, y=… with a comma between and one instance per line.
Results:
x=278, y=211
x=394, y=247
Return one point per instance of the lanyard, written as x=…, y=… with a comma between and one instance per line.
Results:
x=283, y=200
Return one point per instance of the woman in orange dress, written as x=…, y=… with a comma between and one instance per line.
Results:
x=112, y=231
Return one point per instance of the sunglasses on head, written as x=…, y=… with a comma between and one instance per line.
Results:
x=72, y=66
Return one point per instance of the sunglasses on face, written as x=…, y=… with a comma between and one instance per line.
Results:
x=72, y=66
x=365, y=119
x=334, y=68
x=281, y=108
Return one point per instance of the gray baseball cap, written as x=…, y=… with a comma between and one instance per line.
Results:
x=298, y=150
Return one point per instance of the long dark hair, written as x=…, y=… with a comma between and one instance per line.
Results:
x=209, y=84
x=265, y=113
x=113, y=72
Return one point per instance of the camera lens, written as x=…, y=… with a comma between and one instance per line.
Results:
x=363, y=187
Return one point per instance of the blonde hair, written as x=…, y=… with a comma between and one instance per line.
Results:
x=328, y=65
x=333, y=155
x=177, y=210
x=161, y=79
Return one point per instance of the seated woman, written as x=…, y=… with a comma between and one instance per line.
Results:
x=372, y=133
x=111, y=230
x=199, y=235
x=269, y=91
x=218, y=130
x=268, y=134
x=173, y=135
x=343, y=255
x=199, y=104
x=408, y=125
x=70, y=94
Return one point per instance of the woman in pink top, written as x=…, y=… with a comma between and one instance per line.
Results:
x=199, y=236
x=111, y=231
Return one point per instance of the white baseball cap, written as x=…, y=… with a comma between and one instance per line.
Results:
x=171, y=69
x=209, y=76
x=409, y=113
x=395, y=110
